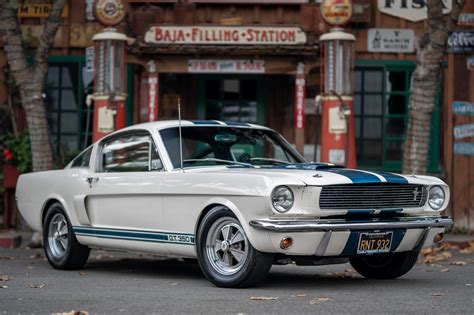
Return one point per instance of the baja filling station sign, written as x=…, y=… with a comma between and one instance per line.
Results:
x=411, y=10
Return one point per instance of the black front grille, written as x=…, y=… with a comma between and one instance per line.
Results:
x=372, y=196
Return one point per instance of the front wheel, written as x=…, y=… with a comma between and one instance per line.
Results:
x=384, y=266
x=225, y=255
x=60, y=244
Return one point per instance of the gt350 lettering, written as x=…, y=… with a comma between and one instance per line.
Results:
x=181, y=239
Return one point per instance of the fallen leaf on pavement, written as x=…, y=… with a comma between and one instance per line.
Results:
x=6, y=278
x=459, y=263
x=37, y=286
x=444, y=270
x=324, y=299
x=73, y=312
x=438, y=256
x=437, y=294
x=82, y=273
x=37, y=255
x=262, y=298
x=468, y=285
x=3, y=286
x=7, y=257
x=300, y=295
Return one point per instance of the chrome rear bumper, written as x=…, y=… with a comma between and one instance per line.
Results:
x=351, y=225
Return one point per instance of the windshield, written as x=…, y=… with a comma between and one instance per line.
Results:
x=207, y=146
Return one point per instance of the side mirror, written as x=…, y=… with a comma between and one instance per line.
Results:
x=156, y=165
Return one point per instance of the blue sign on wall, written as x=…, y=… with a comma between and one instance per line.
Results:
x=463, y=108
x=464, y=148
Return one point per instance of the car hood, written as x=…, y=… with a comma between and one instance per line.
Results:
x=319, y=174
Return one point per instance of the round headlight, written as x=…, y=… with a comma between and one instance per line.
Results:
x=436, y=197
x=282, y=199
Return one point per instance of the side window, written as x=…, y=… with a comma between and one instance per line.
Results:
x=130, y=153
x=83, y=160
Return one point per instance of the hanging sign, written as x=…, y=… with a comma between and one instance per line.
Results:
x=464, y=131
x=466, y=19
x=90, y=59
x=463, y=108
x=336, y=12
x=226, y=66
x=463, y=148
x=38, y=10
x=461, y=42
x=391, y=40
x=152, y=96
x=225, y=35
x=300, y=87
x=411, y=10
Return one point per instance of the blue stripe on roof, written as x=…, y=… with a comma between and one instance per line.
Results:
x=205, y=122
x=355, y=176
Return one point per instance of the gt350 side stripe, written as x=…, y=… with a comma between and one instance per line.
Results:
x=135, y=235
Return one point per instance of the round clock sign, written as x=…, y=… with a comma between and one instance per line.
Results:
x=109, y=12
x=336, y=12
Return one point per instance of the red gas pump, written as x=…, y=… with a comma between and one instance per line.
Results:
x=109, y=84
x=337, y=116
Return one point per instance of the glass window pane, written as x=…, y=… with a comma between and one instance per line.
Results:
x=373, y=104
x=396, y=104
x=357, y=127
x=52, y=78
x=68, y=100
x=372, y=152
x=357, y=104
x=213, y=89
x=394, y=150
x=231, y=89
x=373, y=81
x=69, y=123
x=83, y=159
x=395, y=127
x=67, y=144
x=396, y=81
x=358, y=80
x=52, y=118
x=126, y=154
x=51, y=101
x=66, y=77
x=249, y=89
x=372, y=128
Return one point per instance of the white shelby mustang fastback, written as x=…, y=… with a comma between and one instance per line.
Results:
x=237, y=196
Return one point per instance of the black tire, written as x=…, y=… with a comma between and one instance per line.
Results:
x=73, y=255
x=250, y=271
x=384, y=266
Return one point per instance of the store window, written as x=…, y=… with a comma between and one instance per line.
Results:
x=381, y=100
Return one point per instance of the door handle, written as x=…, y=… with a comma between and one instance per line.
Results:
x=91, y=180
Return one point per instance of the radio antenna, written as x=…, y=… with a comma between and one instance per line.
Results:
x=180, y=136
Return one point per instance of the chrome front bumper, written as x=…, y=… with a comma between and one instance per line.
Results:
x=351, y=225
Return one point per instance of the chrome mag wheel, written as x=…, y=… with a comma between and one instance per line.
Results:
x=58, y=235
x=227, y=246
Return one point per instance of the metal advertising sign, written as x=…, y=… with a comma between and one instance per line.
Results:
x=300, y=92
x=90, y=59
x=461, y=42
x=391, y=40
x=336, y=12
x=226, y=66
x=466, y=19
x=463, y=108
x=109, y=12
x=463, y=148
x=464, y=131
x=38, y=10
x=411, y=10
x=225, y=35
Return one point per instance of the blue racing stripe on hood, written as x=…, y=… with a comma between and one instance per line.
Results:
x=392, y=178
x=357, y=177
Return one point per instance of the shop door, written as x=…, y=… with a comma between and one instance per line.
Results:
x=231, y=98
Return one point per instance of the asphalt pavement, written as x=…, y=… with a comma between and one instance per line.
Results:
x=116, y=282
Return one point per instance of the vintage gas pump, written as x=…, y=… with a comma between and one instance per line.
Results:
x=337, y=116
x=109, y=84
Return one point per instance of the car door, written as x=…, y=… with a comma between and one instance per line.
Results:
x=124, y=195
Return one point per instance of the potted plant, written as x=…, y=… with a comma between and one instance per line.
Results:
x=16, y=155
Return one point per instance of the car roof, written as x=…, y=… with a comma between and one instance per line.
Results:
x=163, y=124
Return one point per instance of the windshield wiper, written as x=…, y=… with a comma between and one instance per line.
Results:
x=218, y=160
x=269, y=160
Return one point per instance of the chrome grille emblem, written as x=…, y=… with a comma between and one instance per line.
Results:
x=415, y=194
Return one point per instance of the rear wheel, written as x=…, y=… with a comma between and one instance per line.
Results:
x=225, y=255
x=60, y=244
x=384, y=266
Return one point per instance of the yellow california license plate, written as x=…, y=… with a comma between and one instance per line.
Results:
x=374, y=242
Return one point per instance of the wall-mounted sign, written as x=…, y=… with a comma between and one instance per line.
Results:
x=470, y=63
x=225, y=35
x=461, y=42
x=300, y=93
x=463, y=108
x=109, y=12
x=464, y=148
x=90, y=10
x=466, y=19
x=391, y=40
x=226, y=66
x=90, y=59
x=464, y=131
x=152, y=96
x=336, y=12
x=38, y=10
x=411, y=10
x=80, y=34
